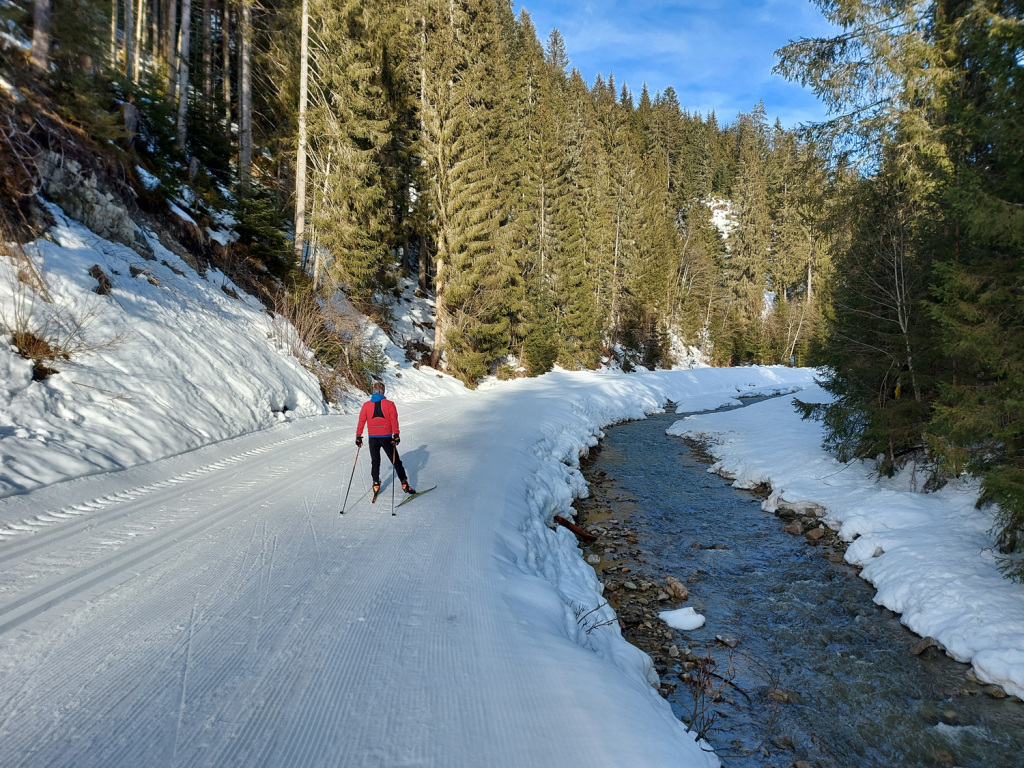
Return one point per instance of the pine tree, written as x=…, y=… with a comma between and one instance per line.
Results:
x=347, y=123
x=979, y=422
x=463, y=131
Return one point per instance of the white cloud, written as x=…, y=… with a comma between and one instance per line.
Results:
x=716, y=56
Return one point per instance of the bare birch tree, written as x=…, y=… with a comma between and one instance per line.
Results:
x=183, y=74
x=40, y=56
x=300, y=160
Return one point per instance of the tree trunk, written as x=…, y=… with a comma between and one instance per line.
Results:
x=40, y=57
x=113, y=33
x=140, y=15
x=424, y=239
x=183, y=48
x=615, y=269
x=423, y=274
x=225, y=47
x=154, y=33
x=170, y=49
x=207, y=56
x=245, y=96
x=316, y=249
x=300, y=160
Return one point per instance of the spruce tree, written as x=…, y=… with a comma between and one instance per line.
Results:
x=751, y=245
x=979, y=421
x=463, y=131
x=348, y=133
x=580, y=317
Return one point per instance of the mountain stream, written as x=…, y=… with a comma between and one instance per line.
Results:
x=795, y=665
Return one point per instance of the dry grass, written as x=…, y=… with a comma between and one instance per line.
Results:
x=41, y=329
x=327, y=341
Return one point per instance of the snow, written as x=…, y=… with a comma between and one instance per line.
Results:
x=683, y=619
x=181, y=214
x=177, y=586
x=149, y=181
x=723, y=217
x=930, y=556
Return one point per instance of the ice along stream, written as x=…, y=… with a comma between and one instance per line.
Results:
x=804, y=668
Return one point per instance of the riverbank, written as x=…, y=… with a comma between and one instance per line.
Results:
x=931, y=557
x=792, y=633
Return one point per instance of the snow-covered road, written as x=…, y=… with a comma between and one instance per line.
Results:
x=215, y=609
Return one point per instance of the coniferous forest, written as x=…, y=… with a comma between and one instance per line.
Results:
x=559, y=222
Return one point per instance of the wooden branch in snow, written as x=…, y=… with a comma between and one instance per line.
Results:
x=581, y=533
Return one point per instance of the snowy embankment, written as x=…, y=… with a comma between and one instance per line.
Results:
x=168, y=361
x=931, y=556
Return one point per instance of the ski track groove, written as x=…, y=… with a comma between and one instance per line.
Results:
x=10, y=529
x=276, y=653
x=79, y=579
x=184, y=676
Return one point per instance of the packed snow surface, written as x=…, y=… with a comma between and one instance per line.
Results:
x=179, y=588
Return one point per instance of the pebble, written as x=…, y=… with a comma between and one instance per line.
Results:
x=815, y=533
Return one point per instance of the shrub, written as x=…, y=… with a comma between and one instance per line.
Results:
x=42, y=331
x=327, y=340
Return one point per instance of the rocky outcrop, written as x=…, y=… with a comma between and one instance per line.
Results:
x=77, y=190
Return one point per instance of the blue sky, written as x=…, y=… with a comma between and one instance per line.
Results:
x=717, y=54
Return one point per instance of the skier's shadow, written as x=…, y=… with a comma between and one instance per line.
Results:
x=413, y=461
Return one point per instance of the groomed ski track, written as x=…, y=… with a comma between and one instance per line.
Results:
x=214, y=609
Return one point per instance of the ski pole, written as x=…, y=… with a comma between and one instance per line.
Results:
x=358, y=449
x=394, y=453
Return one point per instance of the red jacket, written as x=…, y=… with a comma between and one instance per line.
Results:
x=379, y=416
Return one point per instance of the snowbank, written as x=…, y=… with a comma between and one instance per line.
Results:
x=171, y=361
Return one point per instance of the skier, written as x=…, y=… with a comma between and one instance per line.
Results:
x=381, y=419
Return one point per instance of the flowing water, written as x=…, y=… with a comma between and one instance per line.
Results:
x=819, y=673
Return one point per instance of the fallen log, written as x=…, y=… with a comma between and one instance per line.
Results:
x=581, y=533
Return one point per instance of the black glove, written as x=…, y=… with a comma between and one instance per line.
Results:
x=359, y=441
x=396, y=440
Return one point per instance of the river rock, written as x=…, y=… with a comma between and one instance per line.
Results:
x=815, y=534
x=676, y=588
x=795, y=528
x=593, y=559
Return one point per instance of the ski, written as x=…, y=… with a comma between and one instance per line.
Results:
x=413, y=496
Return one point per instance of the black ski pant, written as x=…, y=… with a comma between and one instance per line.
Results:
x=391, y=451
